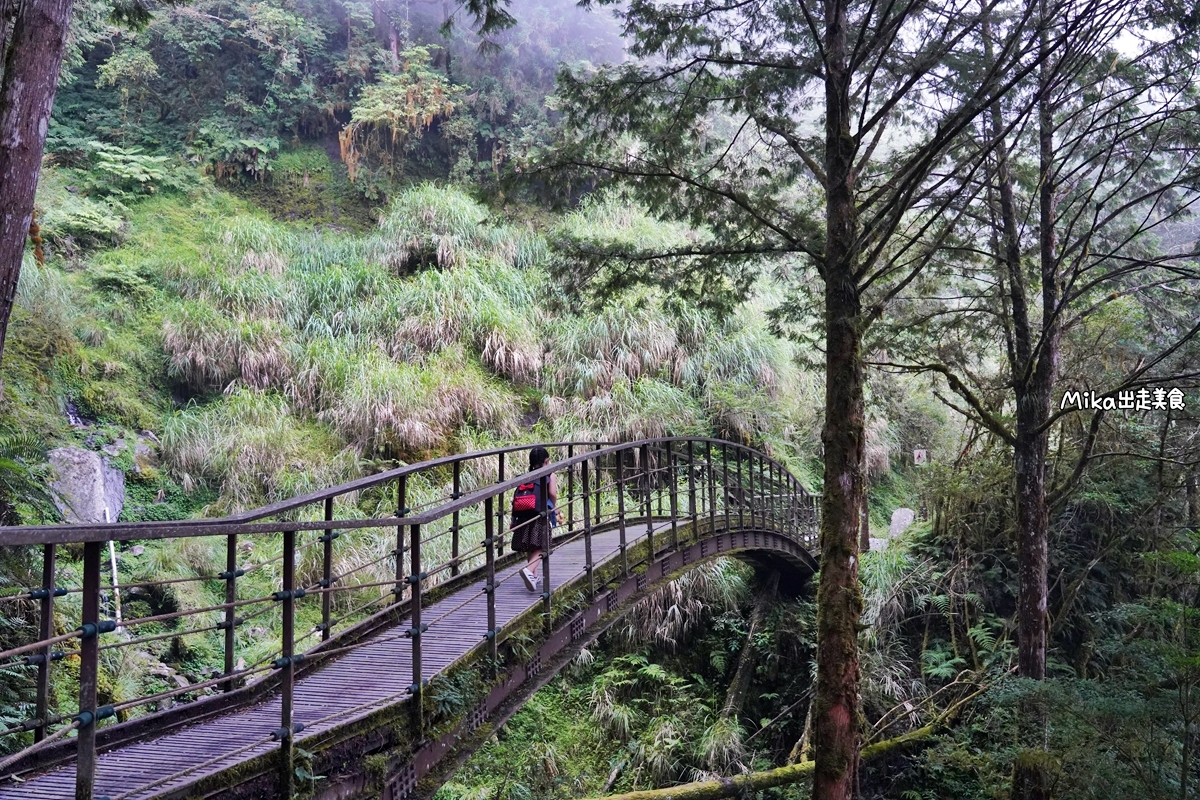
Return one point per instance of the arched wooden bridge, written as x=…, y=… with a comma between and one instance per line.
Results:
x=384, y=698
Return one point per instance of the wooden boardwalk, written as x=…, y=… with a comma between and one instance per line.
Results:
x=345, y=689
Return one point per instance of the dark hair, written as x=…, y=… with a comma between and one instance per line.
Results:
x=537, y=457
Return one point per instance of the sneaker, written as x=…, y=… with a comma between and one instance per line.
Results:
x=530, y=581
x=537, y=585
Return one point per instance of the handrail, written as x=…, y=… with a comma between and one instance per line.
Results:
x=246, y=521
x=434, y=514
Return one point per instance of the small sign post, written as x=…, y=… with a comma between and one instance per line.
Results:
x=920, y=457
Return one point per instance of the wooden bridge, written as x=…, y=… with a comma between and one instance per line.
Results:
x=386, y=699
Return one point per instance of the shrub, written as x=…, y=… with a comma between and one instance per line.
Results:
x=68, y=218
x=230, y=155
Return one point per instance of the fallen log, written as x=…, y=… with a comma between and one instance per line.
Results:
x=757, y=781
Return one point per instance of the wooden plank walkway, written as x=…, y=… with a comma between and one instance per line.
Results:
x=346, y=689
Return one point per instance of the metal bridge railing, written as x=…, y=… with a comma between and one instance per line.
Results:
x=457, y=529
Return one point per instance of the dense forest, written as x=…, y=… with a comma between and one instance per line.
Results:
x=932, y=257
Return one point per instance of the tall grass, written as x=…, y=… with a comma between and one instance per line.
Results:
x=643, y=409
x=398, y=408
x=671, y=614
x=45, y=292
x=246, y=234
x=893, y=580
x=431, y=226
x=208, y=349
x=335, y=289
x=491, y=308
x=253, y=447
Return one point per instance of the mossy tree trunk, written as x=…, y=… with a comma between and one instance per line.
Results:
x=836, y=735
x=31, y=66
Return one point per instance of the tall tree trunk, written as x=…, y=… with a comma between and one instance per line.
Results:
x=735, y=696
x=1034, y=387
x=39, y=38
x=836, y=733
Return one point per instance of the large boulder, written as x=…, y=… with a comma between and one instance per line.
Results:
x=901, y=519
x=86, y=488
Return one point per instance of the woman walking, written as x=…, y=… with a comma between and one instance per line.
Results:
x=530, y=529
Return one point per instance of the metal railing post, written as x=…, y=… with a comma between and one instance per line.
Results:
x=571, y=489
x=230, y=622
x=621, y=511
x=401, y=512
x=489, y=540
x=599, y=489
x=89, y=667
x=771, y=493
x=327, y=573
x=673, y=490
x=500, y=510
x=415, y=632
x=741, y=493
x=647, y=501
x=544, y=512
x=777, y=494
x=691, y=468
x=454, y=526
x=712, y=490
x=288, y=668
x=45, y=631
x=667, y=459
x=725, y=485
x=764, y=479
x=796, y=514
x=751, y=465
x=587, y=533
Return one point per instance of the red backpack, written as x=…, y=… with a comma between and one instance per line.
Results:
x=525, y=498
